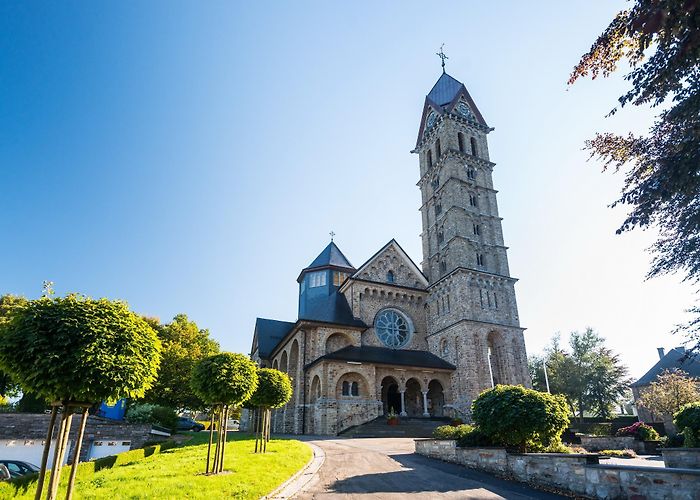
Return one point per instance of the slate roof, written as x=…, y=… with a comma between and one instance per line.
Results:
x=675, y=358
x=333, y=308
x=330, y=256
x=269, y=333
x=384, y=355
x=444, y=90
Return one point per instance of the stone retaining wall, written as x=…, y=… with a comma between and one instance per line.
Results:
x=687, y=458
x=33, y=427
x=580, y=474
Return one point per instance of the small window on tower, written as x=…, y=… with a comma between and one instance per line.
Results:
x=479, y=259
x=390, y=277
x=471, y=174
x=460, y=140
x=443, y=348
x=435, y=183
x=472, y=200
x=438, y=150
x=346, y=388
x=339, y=278
x=430, y=159
x=317, y=279
x=475, y=150
x=355, y=389
x=441, y=236
x=477, y=228
x=443, y=267
x=438, y=208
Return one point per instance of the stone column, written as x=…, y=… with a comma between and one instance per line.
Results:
x=403, y=404
x=425, y=404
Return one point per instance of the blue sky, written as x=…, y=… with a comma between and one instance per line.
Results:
x=193, y=156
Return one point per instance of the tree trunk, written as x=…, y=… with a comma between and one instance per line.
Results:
x=45, y=454
x=211, y=439
x=60, y=453
x=76, y=453
x=215, y=468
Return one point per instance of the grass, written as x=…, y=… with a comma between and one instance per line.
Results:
x=177, y=472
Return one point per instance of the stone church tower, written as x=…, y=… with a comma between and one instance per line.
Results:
x=472, y=316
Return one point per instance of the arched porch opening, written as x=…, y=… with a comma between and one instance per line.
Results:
x=413, y=398
x=391, y=397
x=436, y=399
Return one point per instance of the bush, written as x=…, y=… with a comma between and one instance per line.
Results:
x=474, y=439
x=600, y=429
x=618, y=453
x=673, y=441
x=640, y=431
x=452, y=432
x=688, y=417
x=152, y=414
x=514, y=416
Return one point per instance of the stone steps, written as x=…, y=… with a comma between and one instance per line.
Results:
x=407, y=427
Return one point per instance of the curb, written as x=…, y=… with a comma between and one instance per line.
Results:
x=301, y=478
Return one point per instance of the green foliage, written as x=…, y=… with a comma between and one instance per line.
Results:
x=274, y=389
x=600, y=429
x=8, y=303
x=32, y=403
x=589, y=375
x=669, y=392
x=226, y=378
x=687, y=421
x=640, y=431
x=152, y=414
x=452, y=432
x=474, y=439
x=519, y=417
x=184, y=344
x=77, y=348
x=618, y=453
x=659, y=39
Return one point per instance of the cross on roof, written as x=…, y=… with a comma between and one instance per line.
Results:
x=442, y=56
x=332, y=234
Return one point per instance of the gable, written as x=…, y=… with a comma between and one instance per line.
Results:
x=392, y=258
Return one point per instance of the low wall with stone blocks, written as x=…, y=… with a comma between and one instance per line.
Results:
x=33, y=427
x=686, y=458
x=579, y=474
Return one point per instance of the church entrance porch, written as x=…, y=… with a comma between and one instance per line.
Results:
x=414, y=404
x=391, y=397
x=436, y=399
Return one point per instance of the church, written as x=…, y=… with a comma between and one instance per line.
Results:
x=391, y=336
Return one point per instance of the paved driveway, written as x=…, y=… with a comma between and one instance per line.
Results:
x=387, y=468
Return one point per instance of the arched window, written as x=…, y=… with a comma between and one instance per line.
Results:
x=471, y=174
x=472, y=200
x=430, y=159
x=390, y=277
x=475, y=150
x=438, y=150
x=355, y=389
x=393, y=328
x=346, y=388
x=443, y=348
x=460, y=140
x=441, y=237
x=480, y=259
x=443, y=267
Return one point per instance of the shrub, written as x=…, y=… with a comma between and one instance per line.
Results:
x=600, y=429
x=640, y=431
x=152, y=414
x=452, y=432
x=618, y=453
x=474, y=439
x=672, y=441
x=688, y=417
x=514, y=416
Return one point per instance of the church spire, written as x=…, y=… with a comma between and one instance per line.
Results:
x=442, y=56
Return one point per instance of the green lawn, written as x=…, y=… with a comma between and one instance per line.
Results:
x=177, y=472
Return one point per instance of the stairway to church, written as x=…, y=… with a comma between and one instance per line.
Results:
x=407, y=427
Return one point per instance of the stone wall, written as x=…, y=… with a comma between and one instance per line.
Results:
x=599, y=443
x=687, y=458
x=33, y=427
x=579, y=474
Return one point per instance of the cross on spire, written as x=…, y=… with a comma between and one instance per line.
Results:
x=442, y=56
x=332, y=235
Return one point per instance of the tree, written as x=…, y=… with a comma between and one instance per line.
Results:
x=274, y=391
x=662, y=176
x=687, y=421
x=524, y=418
x=184, y=344
x=9, y=388
x=590, y=376
x=223, y=380
x=671, y=390
x=77, y=351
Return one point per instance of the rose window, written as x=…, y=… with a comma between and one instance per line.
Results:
x=393, y=328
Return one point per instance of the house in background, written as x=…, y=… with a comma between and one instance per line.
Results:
x=676, y=359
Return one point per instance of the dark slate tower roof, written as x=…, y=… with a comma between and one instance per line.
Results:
x=330, y=257
x=445, y=90
x=676, y=359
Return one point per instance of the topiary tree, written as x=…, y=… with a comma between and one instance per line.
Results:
x=517, y=417
x=76, y=351
x=274, y=391
x=687, y=421
x=223, y=380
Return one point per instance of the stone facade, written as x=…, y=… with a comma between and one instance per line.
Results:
x=460, y=309
x=578, y=474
